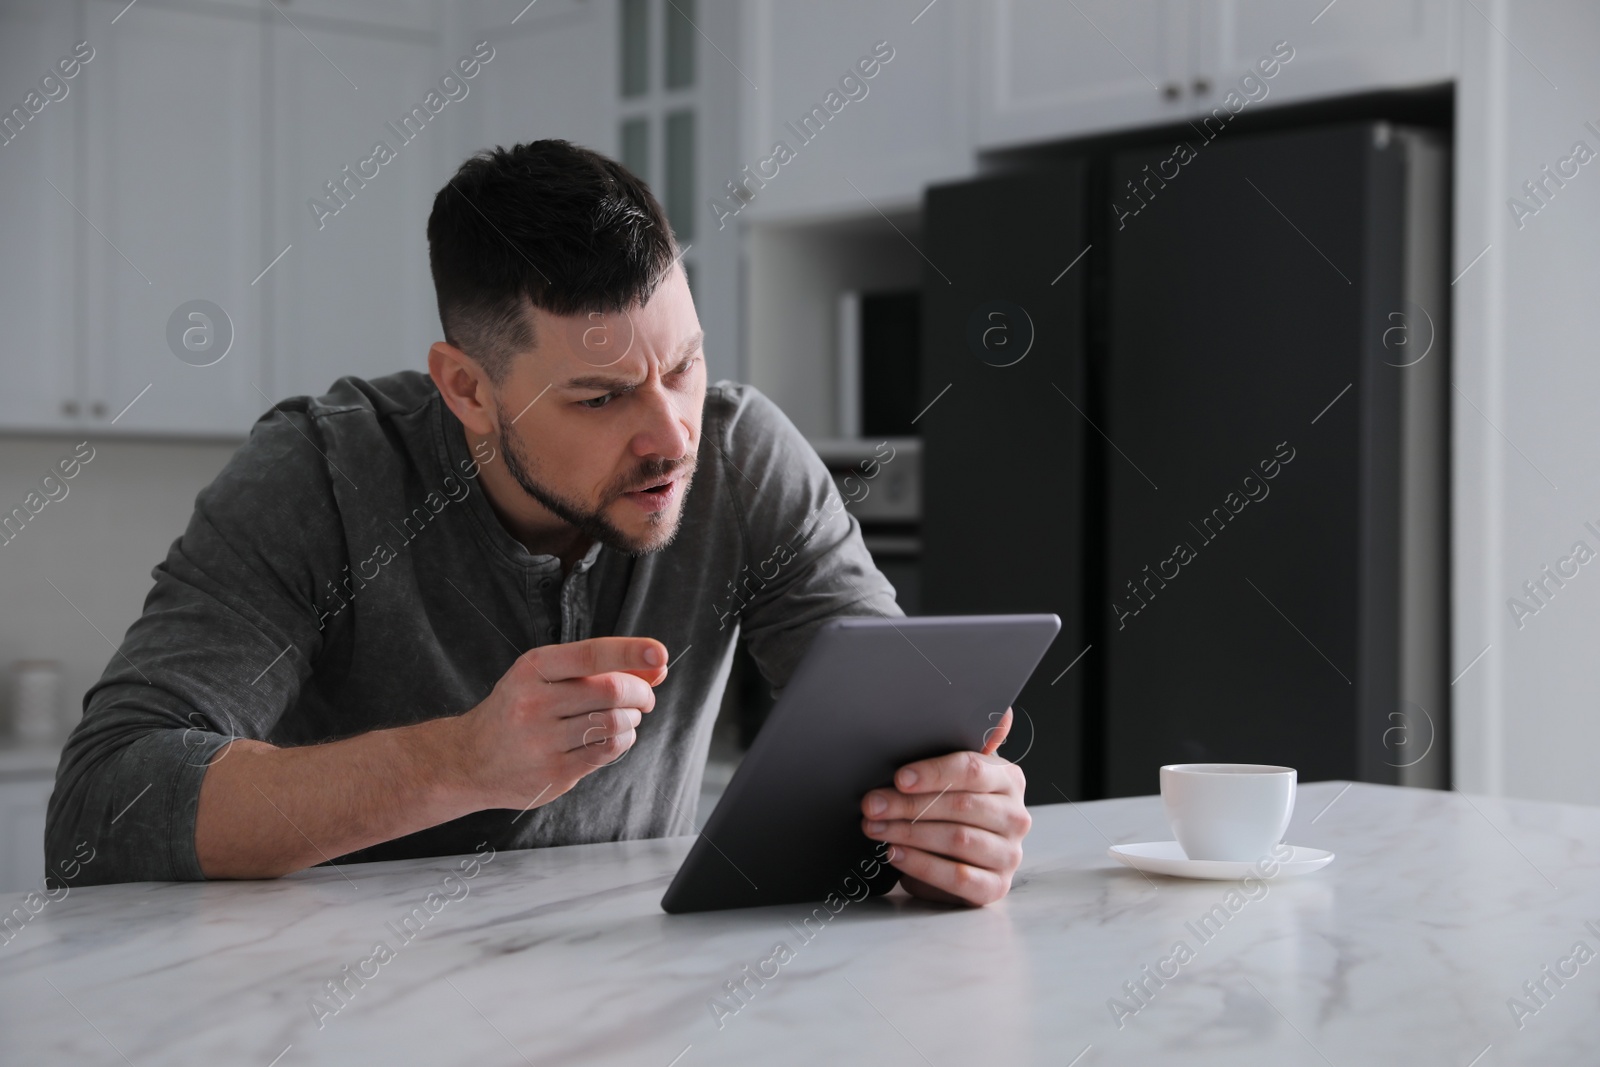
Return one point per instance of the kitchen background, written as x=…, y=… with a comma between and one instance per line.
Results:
x=987, y=257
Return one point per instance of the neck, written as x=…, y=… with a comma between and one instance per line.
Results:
x=539, y=530
x=569, y=558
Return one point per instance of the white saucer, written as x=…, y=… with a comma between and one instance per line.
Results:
x=1166, y=857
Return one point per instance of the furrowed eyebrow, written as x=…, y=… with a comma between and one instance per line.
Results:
x=613, y=385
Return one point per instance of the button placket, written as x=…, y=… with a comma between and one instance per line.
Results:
x=546, y=622
x=574, y=619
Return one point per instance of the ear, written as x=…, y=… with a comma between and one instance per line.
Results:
x=464, y=386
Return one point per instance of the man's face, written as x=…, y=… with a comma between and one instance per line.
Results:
x=600, y=423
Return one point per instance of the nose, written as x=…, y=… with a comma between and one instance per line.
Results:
x=666, y=431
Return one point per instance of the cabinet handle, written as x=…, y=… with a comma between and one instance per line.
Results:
x=98, y=409
x=1172, y=90
x=69, y=407
x=1202, y=86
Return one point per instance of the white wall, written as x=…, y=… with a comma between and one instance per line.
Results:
x=98, y=545
x=1527, y=468
x=795, y=276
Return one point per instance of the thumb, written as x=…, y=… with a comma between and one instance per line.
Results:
x=653, y=675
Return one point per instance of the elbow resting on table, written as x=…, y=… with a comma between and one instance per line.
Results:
x=123, y=805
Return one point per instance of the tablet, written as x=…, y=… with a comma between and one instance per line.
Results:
x=869, y=696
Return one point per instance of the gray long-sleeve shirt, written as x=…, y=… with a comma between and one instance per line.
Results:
x=345, y=573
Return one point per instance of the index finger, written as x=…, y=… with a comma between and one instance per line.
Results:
x=643, y=656
x=965, y=772
x=996, y=735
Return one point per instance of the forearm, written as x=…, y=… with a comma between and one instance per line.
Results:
x=265, y=811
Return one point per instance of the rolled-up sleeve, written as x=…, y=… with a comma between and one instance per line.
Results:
x=226, y=640
x=807, y=562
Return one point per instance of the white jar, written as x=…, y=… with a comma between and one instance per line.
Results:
x=36, y=699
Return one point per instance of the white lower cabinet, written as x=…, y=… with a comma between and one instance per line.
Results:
x=22, y=810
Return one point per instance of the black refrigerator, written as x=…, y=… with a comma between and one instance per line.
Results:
x=1195, y=403
x=1004, y=473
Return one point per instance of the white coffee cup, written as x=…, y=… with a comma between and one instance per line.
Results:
x=1227, y=811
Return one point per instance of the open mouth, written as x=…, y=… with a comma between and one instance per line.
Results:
x=657, y=497
x=660, y=487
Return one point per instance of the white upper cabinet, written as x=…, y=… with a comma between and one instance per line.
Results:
x=354, y=14
x=154, y=188
x=1049, y=69
x=870, y=101
x=38, y=226
x=1352, y=46
x=172, y=195
x=554, y=75
x=335, y=14
x=352, y=107
x=357, y=146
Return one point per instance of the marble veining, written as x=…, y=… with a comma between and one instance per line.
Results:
x=1407, y=949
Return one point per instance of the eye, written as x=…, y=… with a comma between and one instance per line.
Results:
x=597, y=402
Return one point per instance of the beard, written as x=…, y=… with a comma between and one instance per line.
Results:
x=592, y=522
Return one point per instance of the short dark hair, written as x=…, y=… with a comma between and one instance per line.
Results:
x=548, y=224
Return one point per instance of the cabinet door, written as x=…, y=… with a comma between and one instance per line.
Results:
x=1049, y=70
x=173, y=198
x=892, y=134
x=382, y=14
x=554, y=75
x=39, y=360
x=1352, y=46
x=353, y=293
x=22, y=811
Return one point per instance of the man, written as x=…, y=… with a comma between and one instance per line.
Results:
x=423, y=612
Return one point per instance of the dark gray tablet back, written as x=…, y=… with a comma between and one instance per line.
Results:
x=869, y=696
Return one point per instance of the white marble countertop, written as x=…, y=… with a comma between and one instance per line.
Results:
x=1406, y=950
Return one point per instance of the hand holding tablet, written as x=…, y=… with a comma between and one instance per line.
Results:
x=955, y=823
x=873, y=701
